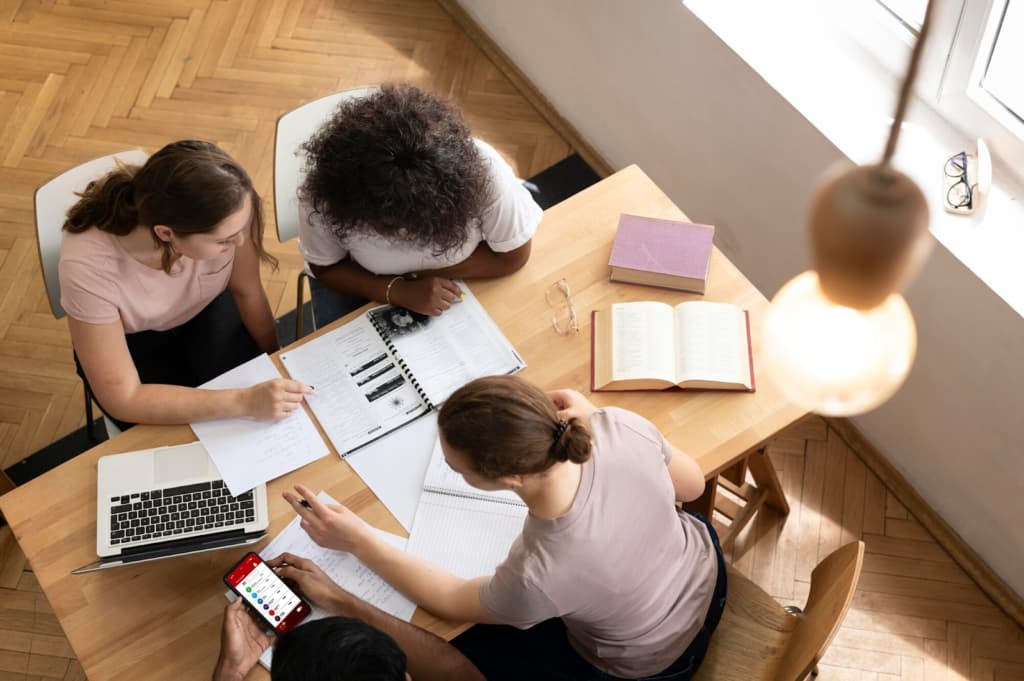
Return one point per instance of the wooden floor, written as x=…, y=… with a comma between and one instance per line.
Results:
x=83, y=78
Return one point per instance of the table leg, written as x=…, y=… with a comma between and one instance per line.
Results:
x=765, y=489
x=764, y=474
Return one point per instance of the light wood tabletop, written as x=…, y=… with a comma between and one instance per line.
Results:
x=161, y=620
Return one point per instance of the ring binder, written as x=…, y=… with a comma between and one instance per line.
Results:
x=386, y=337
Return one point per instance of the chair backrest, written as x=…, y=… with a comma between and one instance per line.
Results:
x=293, y=128
x=52, y=202
x=832, y=585
x=757, y=640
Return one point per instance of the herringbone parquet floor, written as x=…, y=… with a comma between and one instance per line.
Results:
x=83, y=78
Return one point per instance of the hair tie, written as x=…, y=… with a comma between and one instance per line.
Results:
x=560, y=430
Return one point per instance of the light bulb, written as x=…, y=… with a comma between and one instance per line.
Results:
x=836, y=360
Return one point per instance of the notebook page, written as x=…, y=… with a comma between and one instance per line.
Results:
x=248, y=452
x=446, y=352
x=441, y=478
x=344, y=568
x=394, y=466
x=361, y=392
x=467, y=537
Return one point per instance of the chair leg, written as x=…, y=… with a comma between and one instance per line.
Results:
x=299, y=296
x=90, y=426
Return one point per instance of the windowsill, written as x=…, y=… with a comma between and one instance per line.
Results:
x=850, y=101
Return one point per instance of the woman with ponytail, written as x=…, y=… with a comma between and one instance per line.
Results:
x=607, y=581
x=159, y=275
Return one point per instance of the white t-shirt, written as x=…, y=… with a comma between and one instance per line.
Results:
x=509, y=221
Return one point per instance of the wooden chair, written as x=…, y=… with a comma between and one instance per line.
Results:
x=293, y=128
x=52, y=202
x=759, y=640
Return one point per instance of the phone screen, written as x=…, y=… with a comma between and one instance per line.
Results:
x=256, y=583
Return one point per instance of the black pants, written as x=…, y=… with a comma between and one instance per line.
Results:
x=543, y=652
x=204, y=347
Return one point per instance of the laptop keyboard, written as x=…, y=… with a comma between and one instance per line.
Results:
x=177, y=511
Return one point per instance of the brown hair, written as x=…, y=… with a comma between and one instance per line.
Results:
x=189, y=186
x=506, y=426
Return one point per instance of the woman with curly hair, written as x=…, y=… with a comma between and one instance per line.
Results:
x=159, y=274
x=399, y=199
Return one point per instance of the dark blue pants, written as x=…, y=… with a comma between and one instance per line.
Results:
x=543, y=652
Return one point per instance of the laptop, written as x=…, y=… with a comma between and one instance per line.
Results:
x=169, y=501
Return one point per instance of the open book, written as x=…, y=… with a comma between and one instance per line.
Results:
x=460, y=528
x=653, y=346
x=390, y=365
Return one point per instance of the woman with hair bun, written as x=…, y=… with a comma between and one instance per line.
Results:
x=607, y=580
x=159, y=274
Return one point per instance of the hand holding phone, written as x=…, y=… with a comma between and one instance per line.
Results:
x=265, y=592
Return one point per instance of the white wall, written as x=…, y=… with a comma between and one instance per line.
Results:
x=648, y=83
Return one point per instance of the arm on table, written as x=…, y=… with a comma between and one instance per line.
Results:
x=429, y=657
x=442, y=593
x=484, y=263
x=103, y=352
x=429, y=295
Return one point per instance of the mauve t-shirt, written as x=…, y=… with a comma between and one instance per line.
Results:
x=630, y=576
x=100, y=283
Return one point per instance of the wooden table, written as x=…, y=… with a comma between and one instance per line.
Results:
x=161, y=620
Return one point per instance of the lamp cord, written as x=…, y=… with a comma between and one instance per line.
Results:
x=908, y=83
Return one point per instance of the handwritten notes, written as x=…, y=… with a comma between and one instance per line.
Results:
x=249, y=452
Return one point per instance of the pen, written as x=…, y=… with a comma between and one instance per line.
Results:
x=305, y=504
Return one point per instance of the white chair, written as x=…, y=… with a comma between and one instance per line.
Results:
x=293, y=128
x=52, y=201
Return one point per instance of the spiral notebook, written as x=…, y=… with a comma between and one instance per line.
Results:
x=390, y=366
x=465, y=530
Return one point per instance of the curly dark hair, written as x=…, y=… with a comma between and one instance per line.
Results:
x=399, y=162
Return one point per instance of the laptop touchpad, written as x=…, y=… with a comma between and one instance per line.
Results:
x=179, y=464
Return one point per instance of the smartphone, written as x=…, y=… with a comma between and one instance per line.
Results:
x=266, y=593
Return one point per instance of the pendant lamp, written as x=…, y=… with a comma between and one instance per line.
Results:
x=840, y=339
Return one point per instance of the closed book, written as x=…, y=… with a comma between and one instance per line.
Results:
x=658, y=252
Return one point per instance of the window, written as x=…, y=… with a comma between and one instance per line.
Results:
x=970, y=71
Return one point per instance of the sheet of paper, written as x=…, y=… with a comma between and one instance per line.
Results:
x=394, y=466
x=248, y=452
x=345, y=569
x=441, y=478
x=361, y=392
x=466, y=537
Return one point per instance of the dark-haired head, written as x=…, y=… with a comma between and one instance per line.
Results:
x=189, y=187
x=337, y=649
x=503, y=425
x=399, y=162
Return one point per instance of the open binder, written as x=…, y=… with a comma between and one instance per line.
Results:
x=390, y=366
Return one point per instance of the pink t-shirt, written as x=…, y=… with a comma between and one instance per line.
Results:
x=101, y=283
x=630, y=576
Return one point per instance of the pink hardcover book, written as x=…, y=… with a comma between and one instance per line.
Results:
x=659, y=252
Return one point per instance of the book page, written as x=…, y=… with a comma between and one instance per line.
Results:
x=446, y=352
x=712, y=341
x=441, y=478
x=343, y=568
x=248, y=452
x=360, y=392
x=467, y=537
x=642, y=341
